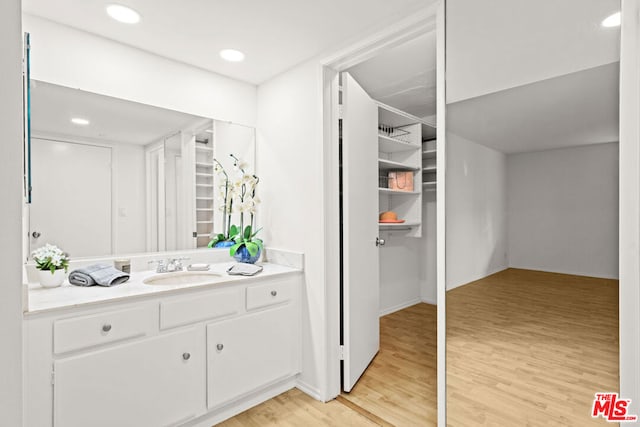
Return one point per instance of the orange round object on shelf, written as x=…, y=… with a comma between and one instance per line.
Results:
x=388, y=216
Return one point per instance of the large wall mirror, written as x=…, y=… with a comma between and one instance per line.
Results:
x=111, y=176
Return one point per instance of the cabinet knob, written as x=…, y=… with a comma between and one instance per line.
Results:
x=219, y=347
x=106, y=327
x=274, y=293
x=186, y=356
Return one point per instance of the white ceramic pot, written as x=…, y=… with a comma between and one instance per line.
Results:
x=51, y=280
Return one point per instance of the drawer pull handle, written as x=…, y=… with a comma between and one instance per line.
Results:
x=274, y=293
x=186, y=356
x=106, y=327
x=219, y=347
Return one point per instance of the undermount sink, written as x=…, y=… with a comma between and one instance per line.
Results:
x=182, y=278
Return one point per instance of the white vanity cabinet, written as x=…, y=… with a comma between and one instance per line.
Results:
x=192, y=357
x=152, y=382
x=257, y=349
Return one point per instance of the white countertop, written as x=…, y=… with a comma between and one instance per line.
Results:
x=67, y=296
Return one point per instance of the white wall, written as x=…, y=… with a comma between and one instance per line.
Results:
x=11, y=214
x=73, y=58
x=476, y=211
x=130, y=208
x=563, y=210
x=400, y=265
x=290, y=167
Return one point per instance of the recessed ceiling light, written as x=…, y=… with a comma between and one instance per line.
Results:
x=232, y=55
x=612, y=20
x=79, y=121
x=123, y=14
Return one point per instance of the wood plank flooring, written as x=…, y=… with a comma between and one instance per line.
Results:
x=529, y=348
x=398, y=388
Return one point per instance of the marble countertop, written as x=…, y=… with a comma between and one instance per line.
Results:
x=68, y=296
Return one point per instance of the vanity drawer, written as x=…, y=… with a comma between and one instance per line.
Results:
x=269, y=294
x=86, y=331
x=192, y=309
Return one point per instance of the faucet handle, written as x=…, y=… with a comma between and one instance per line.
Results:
x=161, y=266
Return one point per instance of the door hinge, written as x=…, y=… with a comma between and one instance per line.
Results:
x=194, y=234
x=340, y=111
x=341, y=352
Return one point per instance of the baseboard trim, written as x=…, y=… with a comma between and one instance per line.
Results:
x=310, y=390
x=429, y=301
x=225, y=412
x=400, y=306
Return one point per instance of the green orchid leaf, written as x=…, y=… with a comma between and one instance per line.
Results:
x=234, y=248
x=259, y=243
x=233, y=231
x=256, y=232
x=247, y=232
x=252, y=248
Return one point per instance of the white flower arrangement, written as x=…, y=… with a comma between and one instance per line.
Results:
x=50, y=257
x=237, y=195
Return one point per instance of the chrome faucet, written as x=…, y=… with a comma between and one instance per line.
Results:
x=170, y=265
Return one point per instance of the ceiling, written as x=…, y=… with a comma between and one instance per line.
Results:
x=403, y=77
x=275, y=35
x=574, y=109
x=111, y=119
x=496, y=45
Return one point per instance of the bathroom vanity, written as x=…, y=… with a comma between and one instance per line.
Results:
x=184, y=354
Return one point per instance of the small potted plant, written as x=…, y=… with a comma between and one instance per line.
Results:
x=247, y=247
x=52, y=264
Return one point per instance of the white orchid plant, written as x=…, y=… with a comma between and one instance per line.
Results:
x=237, y=195
x=51, y=258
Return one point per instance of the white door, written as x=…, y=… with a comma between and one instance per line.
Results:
x=71, y=197
x=361, y=287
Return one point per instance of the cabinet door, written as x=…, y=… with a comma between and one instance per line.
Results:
x=249, y=352
x=155, y=382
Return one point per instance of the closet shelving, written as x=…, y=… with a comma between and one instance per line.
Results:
x=429, y=167
x=204, y=190
x=399, y=150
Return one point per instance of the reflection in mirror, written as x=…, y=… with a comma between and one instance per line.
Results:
x=112, y=176
x=531, y=212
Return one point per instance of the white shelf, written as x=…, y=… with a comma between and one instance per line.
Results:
x=391, y=145
x=430, y=169
x=406, y=224
x=428, y=186
x=204, y=209
x=204, y=175
x=203, y=235
x=205, y=185
x=404, y=193
x=204, y=198
x=384, y=164
x=204, y=165
x=204, y=222
x=429, y=154
x=201, y=148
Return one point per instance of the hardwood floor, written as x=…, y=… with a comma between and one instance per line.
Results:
x=400, y=384
x=528, y=348
x=398, y=388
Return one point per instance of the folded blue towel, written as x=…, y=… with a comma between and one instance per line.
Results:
x=97, y=274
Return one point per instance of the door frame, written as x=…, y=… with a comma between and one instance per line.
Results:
x=629, y=206
x=429, y=19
